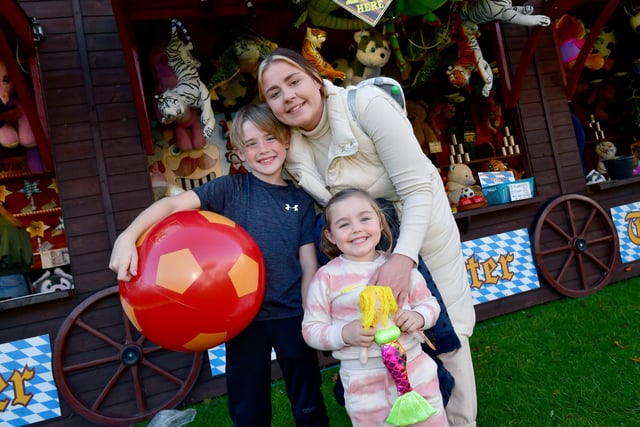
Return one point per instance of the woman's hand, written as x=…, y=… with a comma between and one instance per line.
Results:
x=396, y=273
x=124, y=258
x=409, y=321
x=354, y=334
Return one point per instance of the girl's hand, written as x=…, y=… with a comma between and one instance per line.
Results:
x=396, y=273
x=409, y=321
x=354, y=334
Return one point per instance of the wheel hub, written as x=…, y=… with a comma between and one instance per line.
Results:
x=130, y=355
x=580, y=244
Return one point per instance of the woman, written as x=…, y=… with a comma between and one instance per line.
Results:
x=331, y=150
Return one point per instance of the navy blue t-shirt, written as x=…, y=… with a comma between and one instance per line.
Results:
x=280, y=219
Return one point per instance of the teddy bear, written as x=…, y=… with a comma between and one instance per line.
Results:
x=495, y=165
x=606, y=150
x=459, y=177
x=417, y=115
x=373, y=53
x=571, y=34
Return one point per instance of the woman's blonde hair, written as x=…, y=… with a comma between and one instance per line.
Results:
x=330, y=249
x=292, y=58
x=262, y=117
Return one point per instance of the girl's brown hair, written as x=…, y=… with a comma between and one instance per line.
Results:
x=293, y=58
x=262, y=117
x=330, y=249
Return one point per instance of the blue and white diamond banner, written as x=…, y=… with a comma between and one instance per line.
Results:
x=218, y=359
x=28, y=393
x=626, y=219
x=499, y=266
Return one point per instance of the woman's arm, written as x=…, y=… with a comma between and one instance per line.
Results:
x=309, y=265
x=411, y=174
x=124, y=255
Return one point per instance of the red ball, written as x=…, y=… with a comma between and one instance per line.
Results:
x=200, y=281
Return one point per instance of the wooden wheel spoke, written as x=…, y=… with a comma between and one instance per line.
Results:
x=96, y=333
x=556, y=250
x=588, y=222
x=565, y=266
x=557, y=229
x=163, y=372
x=107, y=388
x=91, y=364
x=595, y=260
x=572, y=221
x=137, y=385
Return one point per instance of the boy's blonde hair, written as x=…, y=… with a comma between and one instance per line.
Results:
x=262, y=117
x=330, y=249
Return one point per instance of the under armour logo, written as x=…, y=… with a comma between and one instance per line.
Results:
x=289, y=207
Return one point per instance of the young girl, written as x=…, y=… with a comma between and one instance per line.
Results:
x=336, y=316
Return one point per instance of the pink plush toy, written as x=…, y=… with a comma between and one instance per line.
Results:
x=14, y=126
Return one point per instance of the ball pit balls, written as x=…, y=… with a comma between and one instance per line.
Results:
x=200, y=281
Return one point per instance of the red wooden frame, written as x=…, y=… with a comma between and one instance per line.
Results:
x=512, y=85
x=16, y=27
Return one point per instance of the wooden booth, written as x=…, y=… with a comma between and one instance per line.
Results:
x=541, y=128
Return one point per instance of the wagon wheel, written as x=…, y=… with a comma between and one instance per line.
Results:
x=576, y=247
x=110, y=373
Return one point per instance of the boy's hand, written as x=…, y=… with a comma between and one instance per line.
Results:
x=124, y=258
x=354, y=334
x=409, y=321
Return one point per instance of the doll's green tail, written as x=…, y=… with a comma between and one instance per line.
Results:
x=410, y=408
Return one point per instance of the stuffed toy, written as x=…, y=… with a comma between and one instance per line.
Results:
x=373, y=53
x=311, y=45
x=458, y=177
x=606, y=150
x=417, y=115
x=190, y=92
x=495, y=165
x=14, y=125
x=58, y=280
x=188, y=129
x=475, y=12
x=243, y=56
x=470, y=57
x=571, y=33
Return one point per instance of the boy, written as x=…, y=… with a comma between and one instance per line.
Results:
x=280, y=218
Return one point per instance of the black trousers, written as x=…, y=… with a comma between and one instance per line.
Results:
x=248, y=374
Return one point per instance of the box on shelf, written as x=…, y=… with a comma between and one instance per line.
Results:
x=509, y=191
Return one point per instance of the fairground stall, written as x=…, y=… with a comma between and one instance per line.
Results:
x=531, y=114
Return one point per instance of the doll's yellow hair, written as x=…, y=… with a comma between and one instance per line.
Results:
x=377, y=304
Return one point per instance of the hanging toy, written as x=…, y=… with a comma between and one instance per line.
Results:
x=378, y=306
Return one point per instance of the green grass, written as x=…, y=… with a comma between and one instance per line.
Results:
x=571, y=362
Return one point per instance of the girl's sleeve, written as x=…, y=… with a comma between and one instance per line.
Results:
x=409, y=169
x=422, y=300
x=318, y=329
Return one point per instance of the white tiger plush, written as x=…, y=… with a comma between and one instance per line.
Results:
x=474, y=12
x=190, y=91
